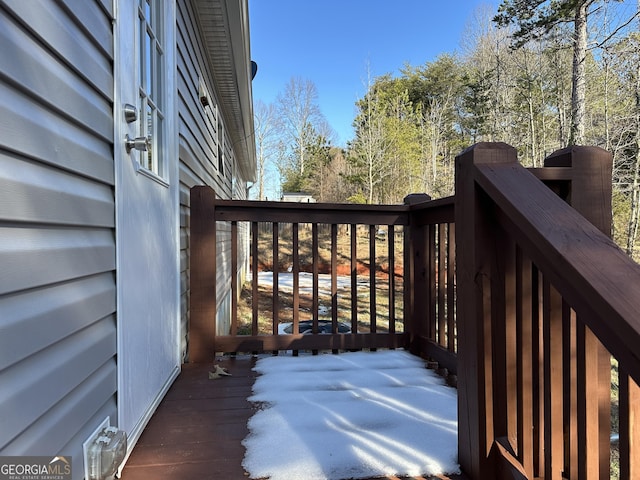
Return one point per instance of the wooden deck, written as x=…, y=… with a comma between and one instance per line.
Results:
x=198, y=429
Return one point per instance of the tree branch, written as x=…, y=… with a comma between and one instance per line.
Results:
x=613, y=34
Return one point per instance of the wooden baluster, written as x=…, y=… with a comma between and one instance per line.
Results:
x=431, y=282
x=372, y=282
x=334, y=281
x=634, y=429
x=537, y=343
x=391, y=239
x=315, y=302
x=524, y=363
x=296, y=281
x=570, y=373
x=441, y=287
x=510, y=335
x=500, y=310
x=354, y=278
x=587, y=392
x=275, y=291
x=255, y=300
x=234, y=278
x=629, y=404
x=451, y=287
x=553, y=387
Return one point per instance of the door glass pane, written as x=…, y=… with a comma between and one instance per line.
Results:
x=158, y=84
x=158, y=144
x=148, y=59
x=151, y=78
x=141, y=63
x=150, y=131
x=157, y=24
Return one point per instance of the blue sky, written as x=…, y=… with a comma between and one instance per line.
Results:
x=330, y=42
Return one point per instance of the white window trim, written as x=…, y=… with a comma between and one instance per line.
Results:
x=151, y=174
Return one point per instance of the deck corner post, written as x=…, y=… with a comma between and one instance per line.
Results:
x=590, y=194
x=590, y=191
x=416, y=251
x=475, y=252
x=202, y=267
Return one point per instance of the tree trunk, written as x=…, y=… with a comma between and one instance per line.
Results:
x=607, y=127
x=530, y=111
x=578, y=93
x=261, y=164
x=634, y=218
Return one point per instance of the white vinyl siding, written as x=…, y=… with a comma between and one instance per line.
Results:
x=199, y=147
x=57, y=246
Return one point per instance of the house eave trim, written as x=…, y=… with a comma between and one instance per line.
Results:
x=225, y=29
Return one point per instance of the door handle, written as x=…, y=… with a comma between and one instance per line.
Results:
x=137, y=143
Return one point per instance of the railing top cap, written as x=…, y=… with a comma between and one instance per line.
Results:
x=583, y=155
x=488, y=146
x=489, y=152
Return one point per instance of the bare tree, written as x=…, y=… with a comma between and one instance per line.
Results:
x=370, y=146
x=266, y=129
x=634, y=220
x=579, y=78
x=299, y=114
x=536, y=18
x=486, y=49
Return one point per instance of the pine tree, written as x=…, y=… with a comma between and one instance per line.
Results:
x=536, y=18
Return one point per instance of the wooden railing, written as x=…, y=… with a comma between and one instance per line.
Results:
x=544, y=299
x=417, y=271
x=524, y=296
x=430, y=281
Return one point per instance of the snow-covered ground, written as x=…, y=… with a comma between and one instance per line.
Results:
x=305, y=279
x=352, y=415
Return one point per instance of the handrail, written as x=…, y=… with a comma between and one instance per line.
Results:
x=287, y=212
x=540, y=290
x=598, y=279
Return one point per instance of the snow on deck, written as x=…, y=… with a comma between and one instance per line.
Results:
x=353, y=415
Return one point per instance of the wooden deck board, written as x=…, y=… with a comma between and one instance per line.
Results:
x=198, y=429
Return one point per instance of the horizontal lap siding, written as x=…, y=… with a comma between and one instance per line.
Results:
x=57, y=247
x=198, y=152
x=244, y=232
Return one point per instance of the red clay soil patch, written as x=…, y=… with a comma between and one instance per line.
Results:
x=362, y=268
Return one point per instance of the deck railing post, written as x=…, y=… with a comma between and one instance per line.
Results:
x=589, y=194
x=476, y=256
x=416, y=296
x=202, y=266
x=590, y=176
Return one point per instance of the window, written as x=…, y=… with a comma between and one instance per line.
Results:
x=150, y=81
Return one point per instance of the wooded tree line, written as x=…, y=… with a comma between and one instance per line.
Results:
x=537, y=74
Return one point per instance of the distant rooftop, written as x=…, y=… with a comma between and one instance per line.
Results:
x=299, y=197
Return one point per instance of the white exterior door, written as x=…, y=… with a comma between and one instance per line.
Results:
x=147, y=222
